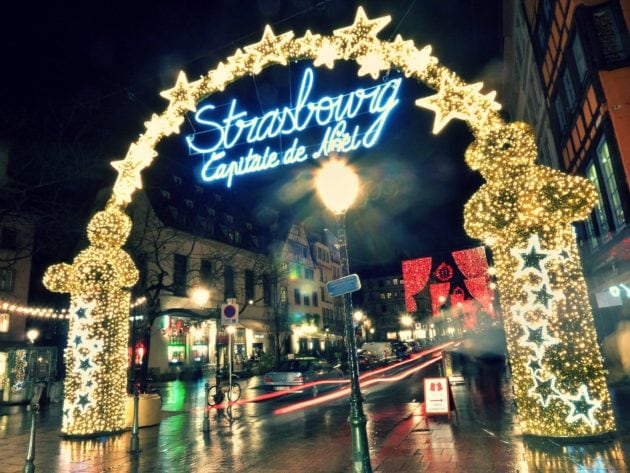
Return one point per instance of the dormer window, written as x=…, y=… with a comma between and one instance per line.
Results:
x=211, y=212
x=166, y=194
x=217, y=197
x=229, y=218
x=248, y=226
x=199, y=189
x=177, y=179
x=189, y=203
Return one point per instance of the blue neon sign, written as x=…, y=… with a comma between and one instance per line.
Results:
x=351, y=121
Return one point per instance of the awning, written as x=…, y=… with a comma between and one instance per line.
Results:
x=253, y=324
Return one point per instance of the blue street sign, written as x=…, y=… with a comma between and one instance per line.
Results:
x=344, y=285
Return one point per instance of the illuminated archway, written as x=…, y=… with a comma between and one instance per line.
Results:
x=523, y=213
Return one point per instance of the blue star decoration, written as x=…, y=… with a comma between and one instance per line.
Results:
x=543, y=296
x=81, y=312
x=534, y=365
x=84, y=364
x=66, y=412
x=564, y=254
x=582, y=407
x=536, y=336
x=545, y=389
x=77, y=340
x=531, y=257
x=89, y=383
x=83, y=400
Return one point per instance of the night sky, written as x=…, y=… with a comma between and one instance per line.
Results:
x=86, y=76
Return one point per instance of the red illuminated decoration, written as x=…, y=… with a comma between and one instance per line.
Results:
x=415, y=276
x=439, y=294
x=457, y=298
x=472, y=262
x=444, y=272
x=480, y=290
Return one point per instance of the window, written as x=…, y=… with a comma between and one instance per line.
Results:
x=590, y=233
x=569, y=90
x=610, y=183
x=228, y=283
x=611, y=35
x=560, y=113
x=579, y=58
x=177, y=179
x=165, y=194
x=5, y=320
x=249, y=285
x=309, y=273
x=599, y=212
x=383, y=308
x=322, y=294
x=211, y=212
x=307, y=299
x=180, y=268
x=189, y=203
x=296, y=296
x=199, y=189
x=229, y=218
x=382, y=296
x=283, y=295
x=315, y=301
x=266, y=287
x=205, y=272
x=8, y=239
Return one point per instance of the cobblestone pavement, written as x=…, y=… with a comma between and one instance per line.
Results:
x=483, y=437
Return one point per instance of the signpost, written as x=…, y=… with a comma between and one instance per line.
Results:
x=344, y=285
x=229, y=314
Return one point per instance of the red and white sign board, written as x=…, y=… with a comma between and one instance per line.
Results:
x=229, y=314
x=436, y=396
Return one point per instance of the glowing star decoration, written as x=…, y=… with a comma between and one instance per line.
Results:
x=418, y=62
x=357, y=38
x=268, y=50
x=372, y=63
x=452, y=101
x=582, y=407
x=519, y=198
x=326, y=54
x=180, y=95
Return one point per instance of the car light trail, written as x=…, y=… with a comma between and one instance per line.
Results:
x=363, y=378
x=343, y=392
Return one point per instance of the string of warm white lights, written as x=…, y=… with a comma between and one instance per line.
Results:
x=43, y=312
x=519, y=199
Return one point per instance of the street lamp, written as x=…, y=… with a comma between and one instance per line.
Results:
x=338, y=186
x=32, y=335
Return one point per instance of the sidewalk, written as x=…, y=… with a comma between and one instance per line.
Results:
x=486, y=438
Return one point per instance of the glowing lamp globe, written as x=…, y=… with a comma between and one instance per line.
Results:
x=337, y=185
x=200, y=296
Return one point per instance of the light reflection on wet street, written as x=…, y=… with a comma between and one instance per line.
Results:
x=251, y=438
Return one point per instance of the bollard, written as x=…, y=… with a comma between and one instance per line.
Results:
x=135, y=439
x=29, y=466
x=206, y=415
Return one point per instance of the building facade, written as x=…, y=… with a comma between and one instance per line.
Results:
x=581, y=56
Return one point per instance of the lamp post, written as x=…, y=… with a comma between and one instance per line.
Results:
x=338, y=186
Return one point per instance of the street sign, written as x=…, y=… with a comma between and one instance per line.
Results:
x=229, y=314
x=344, y=285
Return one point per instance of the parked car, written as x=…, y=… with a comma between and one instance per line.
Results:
x=414, y=346
x=382, y=350
x=401, y=350
x=366, y=360
x=300, y=370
